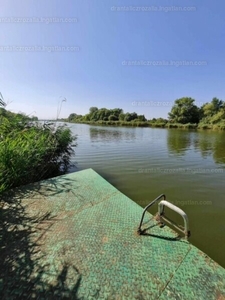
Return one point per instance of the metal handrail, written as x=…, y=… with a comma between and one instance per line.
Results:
x=139, y=231
x=161, y=216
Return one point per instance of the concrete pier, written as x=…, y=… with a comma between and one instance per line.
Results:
x=83, y=244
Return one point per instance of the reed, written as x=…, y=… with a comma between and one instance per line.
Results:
x=30, y=151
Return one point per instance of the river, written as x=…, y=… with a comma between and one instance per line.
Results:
x=188, y=166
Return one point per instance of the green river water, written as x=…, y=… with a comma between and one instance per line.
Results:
x=188, y=166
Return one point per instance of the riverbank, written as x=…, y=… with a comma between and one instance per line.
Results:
x=153, y=125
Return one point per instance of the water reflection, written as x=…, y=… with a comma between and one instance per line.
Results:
x=178, y=141
x=205, y=142
x=111, y=134
x=211, y=144
x=219, y=149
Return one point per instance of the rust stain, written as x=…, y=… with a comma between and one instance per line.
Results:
x=105, y=239
x=220, y=297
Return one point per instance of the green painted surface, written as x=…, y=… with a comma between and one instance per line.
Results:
x=86, y=247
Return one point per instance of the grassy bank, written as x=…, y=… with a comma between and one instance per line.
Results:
x=30, y=151
x=220, y=126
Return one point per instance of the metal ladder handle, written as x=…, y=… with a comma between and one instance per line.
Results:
x=146, y=208
x=164, y=203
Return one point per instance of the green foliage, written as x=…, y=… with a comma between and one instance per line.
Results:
x=74, y=117
x=104, y=114
x=142, y=118
x=184, y=114
x=13, y=117
x=158, y=120
x=130, y=117
x=121, y=117
x=30, y=151
x=113, y=118
x=92, y=110
x=213, y=112
x=184, y=111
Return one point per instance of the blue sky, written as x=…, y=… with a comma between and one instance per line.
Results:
x=88, y=54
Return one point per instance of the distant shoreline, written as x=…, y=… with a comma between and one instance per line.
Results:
x=167, y=125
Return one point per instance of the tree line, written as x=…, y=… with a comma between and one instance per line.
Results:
x=104, y=114
x=184, y=111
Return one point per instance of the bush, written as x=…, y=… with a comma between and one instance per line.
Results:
x=113, y=118
x=31, y=152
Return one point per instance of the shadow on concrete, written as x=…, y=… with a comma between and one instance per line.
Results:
x=20, y=256
x=167, y=238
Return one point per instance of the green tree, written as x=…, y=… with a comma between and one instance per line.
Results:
x=113, y=118
x=116, y=112
x=121, y=117
x=93, y=113
x=210, y=109
x=3, y=111
x=72, y=117
x=92, y=109
x=94, y=116
x=184, y=111
x=102, y=114
x=130, y=116
x=158, y=120
x=142, y=118
x=86, y=117
x=217, y=104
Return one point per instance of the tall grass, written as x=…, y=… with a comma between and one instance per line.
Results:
x=32, y=151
